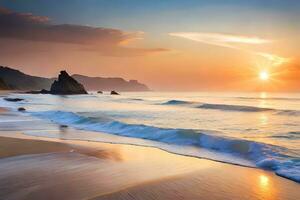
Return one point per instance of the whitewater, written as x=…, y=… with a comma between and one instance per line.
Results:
x=249, y=129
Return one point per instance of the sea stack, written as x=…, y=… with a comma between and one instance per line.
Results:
x=66, y=85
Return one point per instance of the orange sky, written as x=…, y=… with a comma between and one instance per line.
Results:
x=228, y=58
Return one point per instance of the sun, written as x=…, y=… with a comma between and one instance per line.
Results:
x=263, y=75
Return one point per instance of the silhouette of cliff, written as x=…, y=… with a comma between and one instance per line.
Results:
x=108, y=84
x=21, y=81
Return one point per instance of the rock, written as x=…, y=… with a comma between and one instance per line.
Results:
x=21, y=109
x=114, y=93
x=63, y=126
x=33, y=92
x=13, y=99
x=66, y=85
x=100, y=92
x=43, y=91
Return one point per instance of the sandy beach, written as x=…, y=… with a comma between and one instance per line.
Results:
x=34, y=168
x=41, y=168
x=149, y=100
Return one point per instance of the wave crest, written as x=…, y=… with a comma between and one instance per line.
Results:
x=259, y=153
x=176, y=102
x=233, y=108
x=226, y=107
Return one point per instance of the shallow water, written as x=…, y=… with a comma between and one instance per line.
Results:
x=253, y=129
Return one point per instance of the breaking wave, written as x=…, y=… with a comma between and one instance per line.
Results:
x=177, y=102
x=260, y=154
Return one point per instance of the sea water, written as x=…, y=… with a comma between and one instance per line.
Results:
x=252, y=129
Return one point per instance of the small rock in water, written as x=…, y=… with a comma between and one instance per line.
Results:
x=43, y=91
x=63, y=126
x=33, y=92
x=114, y=93
x=13, y=99
x=21, y=109
x=100, y=92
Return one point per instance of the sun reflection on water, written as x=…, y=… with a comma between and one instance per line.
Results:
x=263, y=118
x=263, y=95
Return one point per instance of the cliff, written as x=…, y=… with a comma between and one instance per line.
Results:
x=21, y=81
x=108, y=84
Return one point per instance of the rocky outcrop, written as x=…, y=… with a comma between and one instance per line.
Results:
x=43, y=91
x=21, y=109
x=100, y=92
x=66, y=85
x=13, y=99
x=114, y=93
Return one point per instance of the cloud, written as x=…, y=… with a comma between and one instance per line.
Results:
x=274, y=59
x=233, y=42
x=218, y=39
x=29, y=27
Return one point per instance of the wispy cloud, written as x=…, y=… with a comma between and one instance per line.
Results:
x=274, y=59
x=29, y=27
x=218, y=39
x=234, y=42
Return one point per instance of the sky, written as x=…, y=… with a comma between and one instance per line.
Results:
x=169, y=45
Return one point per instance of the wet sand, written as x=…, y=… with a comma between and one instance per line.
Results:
x=3, y=110
x=14, y=147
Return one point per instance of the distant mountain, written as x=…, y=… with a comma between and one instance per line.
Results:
x=20, y=81
x=107, y=84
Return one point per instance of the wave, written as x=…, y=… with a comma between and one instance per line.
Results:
x=177, y=102
x=231, y=107
x=223, y=107
x=269, y=98
x=294, y=135
x=262, y=155
x=136, y=99
x=288, y=112
x=226, y=107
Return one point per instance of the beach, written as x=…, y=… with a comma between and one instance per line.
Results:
x=48, y=160
x=149, y=100
x=56, y=169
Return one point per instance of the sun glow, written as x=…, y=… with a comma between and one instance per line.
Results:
x=263, y=75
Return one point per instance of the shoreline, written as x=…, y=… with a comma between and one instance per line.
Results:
x=148, y=171
x=4, y=110
x=39, y=167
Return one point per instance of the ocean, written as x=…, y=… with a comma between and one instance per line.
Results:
x=250, y=129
